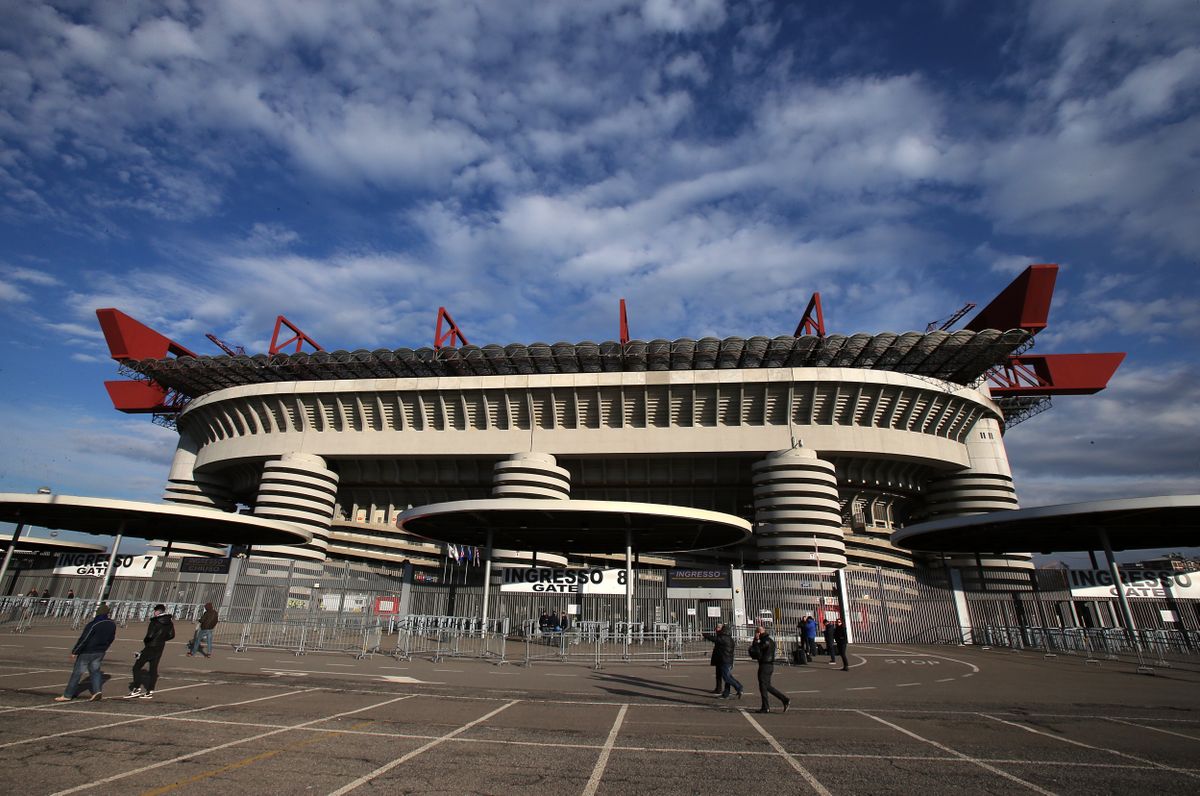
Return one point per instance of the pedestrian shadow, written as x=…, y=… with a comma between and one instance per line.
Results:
x=652, y=685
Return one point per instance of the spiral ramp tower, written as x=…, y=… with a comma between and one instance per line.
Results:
x=298, y=488
x=186, y=487
x=986, y=486
x=797, y=513
x=535, y=476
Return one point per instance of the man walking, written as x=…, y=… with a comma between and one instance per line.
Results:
x=158, y=633
x=763, y=650
x=839, y=637
x=94, y=641
x=831, y=641
x=204, y=633
x=723, y=649
x=810, y=638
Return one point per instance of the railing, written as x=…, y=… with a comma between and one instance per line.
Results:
x=1161, y=648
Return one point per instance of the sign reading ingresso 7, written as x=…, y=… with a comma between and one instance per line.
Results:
x=1098, y=583
x=96, y=564
x=571, y=580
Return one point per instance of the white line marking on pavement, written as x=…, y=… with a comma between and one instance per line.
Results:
x=218, y=747
x=946, y=679
x=397, y=668
x=812, y=691
x=340, y=664
x=862, y=688
x=778, y=747
x=1156, y=729
x=32, y=671
x=145, y=718
x=1090, y=746
x=960, y=755
x=905, y=685
x=405, y=758
x=602, y=762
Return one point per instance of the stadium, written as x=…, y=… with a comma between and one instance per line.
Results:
x=824, y=443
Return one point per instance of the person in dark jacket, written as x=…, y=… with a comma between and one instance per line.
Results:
x=723, y=649
x=160, y=630
x=840, y=639
x=204, y=633
x=94, y=641
x=830, y=641
x=763, y=650
x=714, y=660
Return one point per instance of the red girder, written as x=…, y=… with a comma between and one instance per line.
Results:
x=813, y=320
x=299, y=338
x=452, y=334
x=624, y=325
x=131, y=339
x=1054, y=374
x=1024, y=304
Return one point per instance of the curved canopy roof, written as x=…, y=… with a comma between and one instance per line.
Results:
x=960, y=357
x=41, y=544
x=574, y=526
x=1131, y=524
x=146, y=520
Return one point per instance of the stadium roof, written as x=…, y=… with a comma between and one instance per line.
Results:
x=961, y=357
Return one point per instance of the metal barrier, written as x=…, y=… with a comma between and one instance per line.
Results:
x=1150, y=648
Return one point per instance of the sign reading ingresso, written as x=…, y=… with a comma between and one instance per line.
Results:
x=96, y=564
x=1097, y=584
x=563, y=580
x=698, y=579
x=205, y=566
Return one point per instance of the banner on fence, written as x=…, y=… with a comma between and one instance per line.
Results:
x=1097, y=584
x=205, y=566
x=96, y=564
x=571, y=580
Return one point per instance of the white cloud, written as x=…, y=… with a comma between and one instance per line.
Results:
x=681, y=16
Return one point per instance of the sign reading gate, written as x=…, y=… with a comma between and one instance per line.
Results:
x=96, y=564
x=1098, y=583
x=562, y=580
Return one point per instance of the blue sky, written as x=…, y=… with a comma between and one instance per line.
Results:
x=354, y=165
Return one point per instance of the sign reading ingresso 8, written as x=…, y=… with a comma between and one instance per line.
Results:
x=96, y=565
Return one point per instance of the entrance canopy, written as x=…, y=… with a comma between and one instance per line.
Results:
x=146, y=520
x=574, y=526
x=40, y=544
x=1130, y=523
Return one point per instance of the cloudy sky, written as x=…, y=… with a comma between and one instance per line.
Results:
x=355, y=165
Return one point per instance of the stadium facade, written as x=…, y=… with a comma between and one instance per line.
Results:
x=826, y=443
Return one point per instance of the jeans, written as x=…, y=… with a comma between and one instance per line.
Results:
x=810, y=646
x=203, y=637
x=91, y=662
x=727, y=676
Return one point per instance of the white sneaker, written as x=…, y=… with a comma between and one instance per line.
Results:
x=146, y=695
x=134, y=694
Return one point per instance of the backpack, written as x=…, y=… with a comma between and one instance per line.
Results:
x=754, y=651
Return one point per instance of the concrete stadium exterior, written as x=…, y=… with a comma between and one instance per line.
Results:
x=826, y=444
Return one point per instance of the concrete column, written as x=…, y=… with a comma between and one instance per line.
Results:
x=298, y=488
x=796, y=509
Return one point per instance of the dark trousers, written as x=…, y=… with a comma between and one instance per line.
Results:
x=717, y=672
x=147, y=657
x=765, y=670
x=841, y=649
x=810, y=646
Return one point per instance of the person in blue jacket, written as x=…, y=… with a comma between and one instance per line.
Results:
x=94, y=641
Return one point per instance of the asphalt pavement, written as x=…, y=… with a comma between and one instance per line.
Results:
x=927, y=720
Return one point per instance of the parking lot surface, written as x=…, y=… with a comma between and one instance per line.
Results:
x=927, y=720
